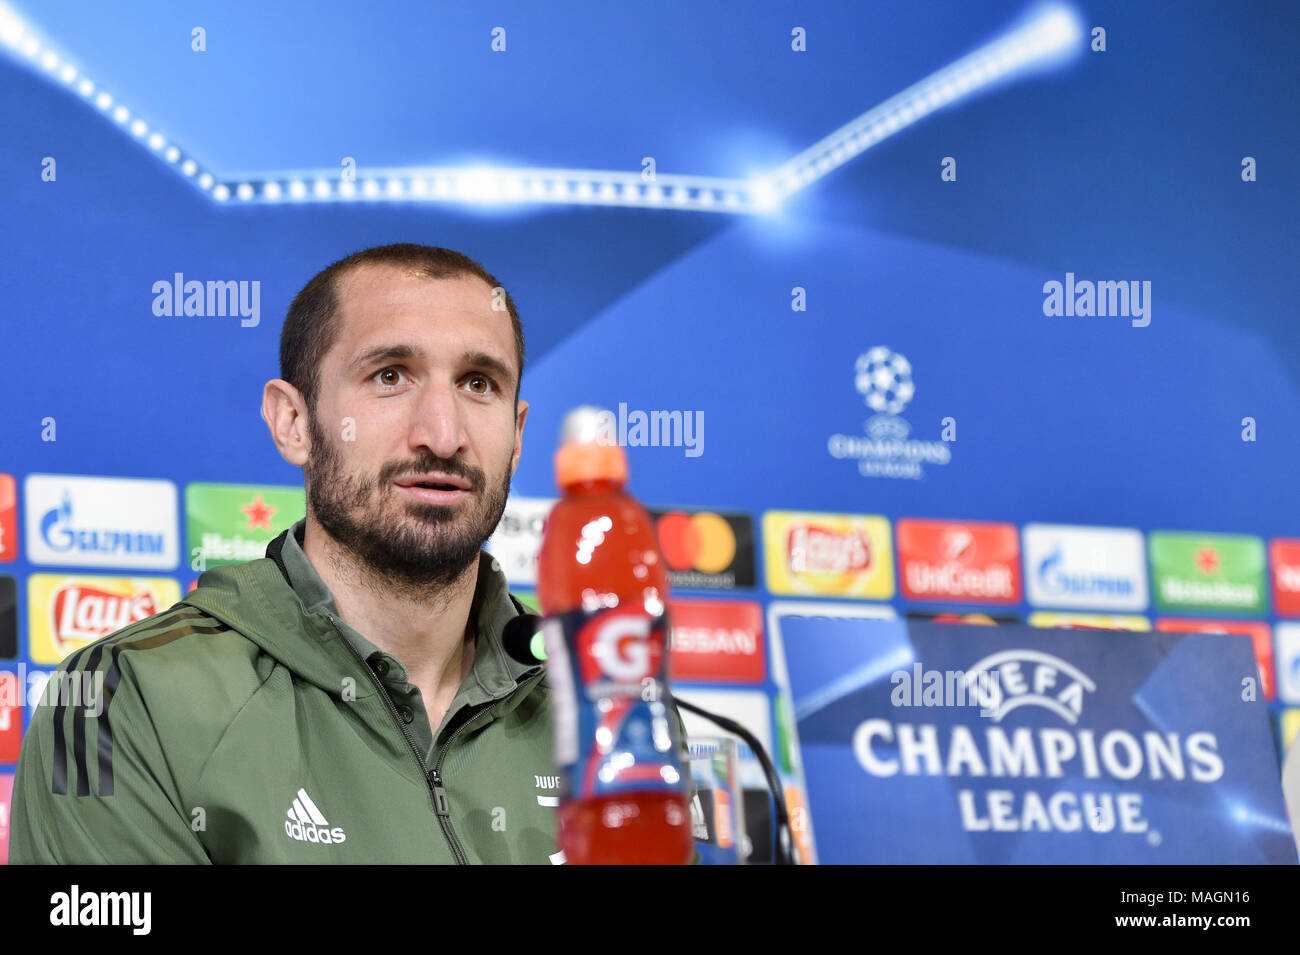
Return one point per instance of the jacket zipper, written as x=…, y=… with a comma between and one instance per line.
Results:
x=435, y=775
x=432, y=777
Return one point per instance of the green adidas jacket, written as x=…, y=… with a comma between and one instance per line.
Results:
x=235, y=727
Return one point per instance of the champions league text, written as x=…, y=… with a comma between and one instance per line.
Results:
x=1044, y=753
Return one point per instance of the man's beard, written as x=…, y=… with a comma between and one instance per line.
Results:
x=406, y=546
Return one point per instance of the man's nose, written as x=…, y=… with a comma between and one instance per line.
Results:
x=438, y=423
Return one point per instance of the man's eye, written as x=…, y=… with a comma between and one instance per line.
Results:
x=486, y=383
x=389, y=377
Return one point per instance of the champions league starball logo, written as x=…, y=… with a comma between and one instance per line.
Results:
x=884, y=380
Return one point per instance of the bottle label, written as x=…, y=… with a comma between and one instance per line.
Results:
x=614, y=732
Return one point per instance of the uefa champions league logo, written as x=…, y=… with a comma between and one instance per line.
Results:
x=883, y=378
x=1031, y=678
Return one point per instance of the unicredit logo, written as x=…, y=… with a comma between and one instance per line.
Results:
x=956, y=580
x=958, y=561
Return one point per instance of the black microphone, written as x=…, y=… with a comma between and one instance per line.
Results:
x=522, y=639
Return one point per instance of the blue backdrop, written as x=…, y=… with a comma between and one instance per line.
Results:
x=1124, y=164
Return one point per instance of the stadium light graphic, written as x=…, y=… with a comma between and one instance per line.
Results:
x=1048, y=36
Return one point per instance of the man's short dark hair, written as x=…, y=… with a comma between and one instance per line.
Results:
x=312, y=323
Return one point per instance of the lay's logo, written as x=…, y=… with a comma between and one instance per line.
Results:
x=813, y=549
x=69, y=612
x=88, y=613
x=830, y=554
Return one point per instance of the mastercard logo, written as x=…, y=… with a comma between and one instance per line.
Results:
x=704, y=542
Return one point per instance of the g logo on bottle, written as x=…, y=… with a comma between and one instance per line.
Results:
x=619, y=646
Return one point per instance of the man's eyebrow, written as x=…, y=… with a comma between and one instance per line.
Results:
x=481, y=359
x=397, y=352
x=384, y=353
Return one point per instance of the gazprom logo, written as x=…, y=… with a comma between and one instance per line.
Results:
x=1016, y=678
x=56, y=525
x=85, y=520
x=1056, y=580
x=1085, y=568
x=61, y=535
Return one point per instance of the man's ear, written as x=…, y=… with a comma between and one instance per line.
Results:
x=521, y=412
x=285, y=414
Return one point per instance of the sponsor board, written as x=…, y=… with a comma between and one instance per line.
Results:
x=833, y=555
x=1092, y=750
x=1261, y=639
x=233, y=523
x=8, y=618
x=1090, y=621
x=1285, y=558
x=1289, y=727
x=801, y=824
x=8, y=519
x=706, y=550
x=65, y=613
x=787, y=753
x=1287, y=662
x=716, y=641
x=968, y=562
x=1207, y=572
x=11, y=716
x=517, y=540
x=779, y=611
x=1085, y=568
x=800, y=613
x=76, y=520
x=6, y=813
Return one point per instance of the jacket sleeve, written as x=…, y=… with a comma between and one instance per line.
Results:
x=92, y=784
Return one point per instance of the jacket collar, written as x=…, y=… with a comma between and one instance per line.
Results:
x=257, y=599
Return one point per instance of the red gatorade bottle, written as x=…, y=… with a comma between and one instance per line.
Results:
x=603, y=588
